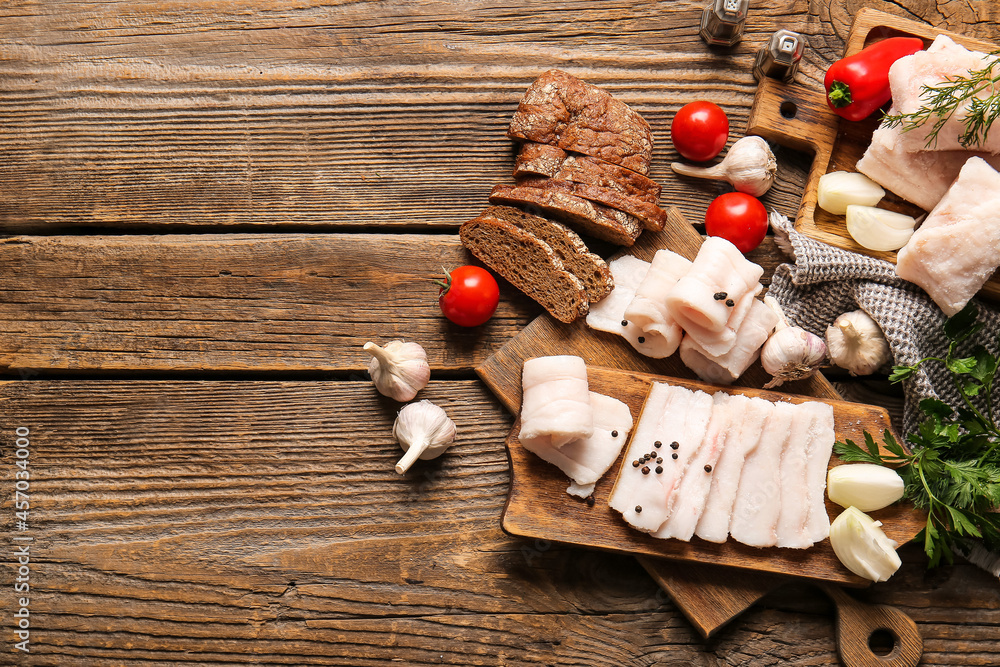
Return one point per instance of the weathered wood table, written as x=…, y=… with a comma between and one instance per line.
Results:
x=207, y=208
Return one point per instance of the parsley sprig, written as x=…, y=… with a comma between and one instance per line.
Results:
x=953, y=466
x=942, y=100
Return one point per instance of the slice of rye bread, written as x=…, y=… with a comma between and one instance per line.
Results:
x=564, y=111
x=568, y=246
x=543, y=160
x=528, y=263
x=652, y=216
x=590, y=218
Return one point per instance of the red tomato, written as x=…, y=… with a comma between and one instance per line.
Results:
x=469, y=296
x=699, y=131
x=738, y=218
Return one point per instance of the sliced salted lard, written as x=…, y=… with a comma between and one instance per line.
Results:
x=726, y=368
x=648, y=308
x=673, y=421
x=727, y=411
x=822, y=435
x=802, y=486
x=555, y=405
x=704, y=299
x=713, y=524
x=585, y=460
x=758, y=499
x=608, y=314
x=911, y=76
x=957, y=248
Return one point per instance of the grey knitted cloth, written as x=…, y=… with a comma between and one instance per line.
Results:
x=826, y=281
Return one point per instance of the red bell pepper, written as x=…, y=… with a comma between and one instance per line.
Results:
x=858, y=85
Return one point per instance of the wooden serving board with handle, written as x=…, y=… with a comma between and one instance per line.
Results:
x=797, y=116
x=539, y=507
x=710, y=596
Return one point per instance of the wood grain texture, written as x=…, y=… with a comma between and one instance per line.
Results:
x=241, y=523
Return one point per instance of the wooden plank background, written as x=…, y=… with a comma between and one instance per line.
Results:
x=207, y=208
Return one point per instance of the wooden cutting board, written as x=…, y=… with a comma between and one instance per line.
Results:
x=709, y=596
x=539, y=507
x=797, y=116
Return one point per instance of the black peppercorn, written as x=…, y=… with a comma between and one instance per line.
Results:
x=638, y=509
x=674, y=444
x=590, y=501
x=642, y=339
x=624, y=323
x=730, y=303
x=708, y=468
x=635, y=464
x=614, y=434
x=659, y=469
x=659, y=459
x=657, y=444
x=719, y=296
x=674, y=456
x=645, y=470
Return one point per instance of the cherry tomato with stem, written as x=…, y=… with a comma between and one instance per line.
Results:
x=738, y=218
x=469, y=295
x=699, y=131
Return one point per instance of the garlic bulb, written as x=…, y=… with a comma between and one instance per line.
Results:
x=856, y=343
x=399, y=370
x=749, y=165
x=862, y=547
x=424, y=431
x=839, y=189
x=791, y=353
x=878, y=229
x=865, y=486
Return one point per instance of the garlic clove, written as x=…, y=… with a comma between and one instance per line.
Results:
x=749, y=166
x=865, y=486
x=839, y=189
x=773, y=304
x=862, y=547
x=791, y=353
x=424, y=431
x=399, y=370
x=856, y=343
x=878, y=229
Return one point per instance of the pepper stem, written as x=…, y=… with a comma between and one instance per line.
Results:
x=412, y=454
x=839, y=94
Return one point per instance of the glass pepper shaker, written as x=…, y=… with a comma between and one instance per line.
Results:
x=779, y=58
x=723, y=20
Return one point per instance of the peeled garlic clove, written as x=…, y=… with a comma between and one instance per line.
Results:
x=856, y=343
x=862, y=547
x=791, y=353
x=399, y=370
x=879, y=229
x=424, y=431
x=866, y=486
x=839, y=189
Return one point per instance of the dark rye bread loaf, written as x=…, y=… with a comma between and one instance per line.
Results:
x=568, y=246
x=652, y=216
x=564, y=111
x=590, y=218
x=528, y=263
x=543, y=160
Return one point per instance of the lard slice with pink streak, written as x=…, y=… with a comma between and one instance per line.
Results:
x=696, y=482
x=671, y=415
x=758, y=500
x=704, y=301
x=957, y=248
x=585, y=460
x=713, y=525
x=803, y=520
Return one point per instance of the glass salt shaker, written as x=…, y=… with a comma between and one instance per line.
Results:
x=779, y=58
x=723, y=20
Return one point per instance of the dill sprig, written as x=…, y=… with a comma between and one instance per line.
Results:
x=942, y=100
x=953, y=467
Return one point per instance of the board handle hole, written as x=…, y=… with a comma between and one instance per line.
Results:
x=788, y=110
x=882, y=642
